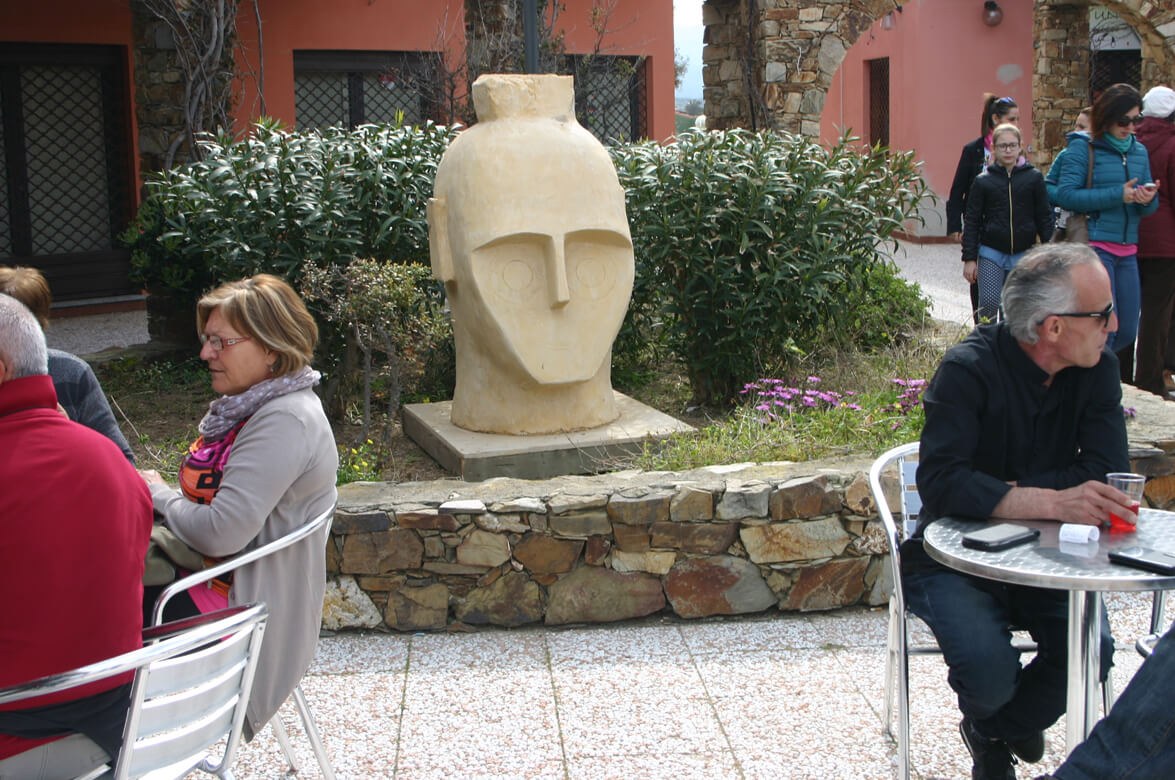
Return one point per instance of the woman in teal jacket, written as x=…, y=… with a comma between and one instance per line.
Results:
x=1121, y=195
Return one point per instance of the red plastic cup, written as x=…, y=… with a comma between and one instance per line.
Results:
x=1119, y=525
x=1132, y=485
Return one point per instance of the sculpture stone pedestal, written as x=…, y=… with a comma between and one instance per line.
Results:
x=479, y=456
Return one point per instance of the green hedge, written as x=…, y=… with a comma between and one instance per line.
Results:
x=274, y=199
x=752, y=249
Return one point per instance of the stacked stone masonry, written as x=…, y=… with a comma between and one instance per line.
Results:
x=723, y=540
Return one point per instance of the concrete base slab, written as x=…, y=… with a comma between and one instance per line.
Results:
x=478, y=456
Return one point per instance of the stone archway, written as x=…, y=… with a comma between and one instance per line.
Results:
x=769, y=63
x=1060, y=76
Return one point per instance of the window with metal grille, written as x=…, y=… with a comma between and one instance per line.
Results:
x=349, y=88
x=1115, y=55
x=1107, y=68
x=610, y=96
x=65, y=176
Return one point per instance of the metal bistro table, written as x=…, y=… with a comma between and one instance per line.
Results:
x=1082, y=569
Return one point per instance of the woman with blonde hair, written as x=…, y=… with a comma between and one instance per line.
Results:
x=1008, y=209
x=975, y=158
x=265, y=464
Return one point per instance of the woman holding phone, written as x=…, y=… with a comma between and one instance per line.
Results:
x=1122, y=193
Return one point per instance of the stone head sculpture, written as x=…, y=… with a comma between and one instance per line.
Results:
x=527, y=230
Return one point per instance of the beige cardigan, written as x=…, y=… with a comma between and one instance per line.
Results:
x=280, y=474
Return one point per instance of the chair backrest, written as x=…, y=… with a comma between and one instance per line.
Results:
x=905, y=456
x=317, y=523
x=190, y=690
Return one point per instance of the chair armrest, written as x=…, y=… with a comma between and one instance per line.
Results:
x=237, y=561
x=156, y=633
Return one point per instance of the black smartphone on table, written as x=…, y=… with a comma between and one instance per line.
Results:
x=1150, y=560
x=999, y=537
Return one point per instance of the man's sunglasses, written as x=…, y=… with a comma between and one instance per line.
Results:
x=1127, y=121
x=1103, y=315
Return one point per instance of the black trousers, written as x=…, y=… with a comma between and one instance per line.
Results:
x=1157, y=275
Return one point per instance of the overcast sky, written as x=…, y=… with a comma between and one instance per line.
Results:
x=687, y=39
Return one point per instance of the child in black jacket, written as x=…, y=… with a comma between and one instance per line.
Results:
x=1007, y=210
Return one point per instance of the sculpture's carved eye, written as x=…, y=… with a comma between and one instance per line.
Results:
x=512, y=268
x=597, y=261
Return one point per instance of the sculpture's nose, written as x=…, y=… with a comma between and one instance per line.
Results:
x=557, y=274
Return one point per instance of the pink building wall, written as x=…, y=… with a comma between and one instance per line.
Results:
x=942, y=59
x=636, y=27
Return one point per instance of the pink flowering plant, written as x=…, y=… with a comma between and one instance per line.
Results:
x=827, y=419
x=799, y=420
x=858, y=403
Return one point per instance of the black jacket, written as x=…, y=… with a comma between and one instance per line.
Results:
x=970, y=165
x=1006, y=211
x=991, y=419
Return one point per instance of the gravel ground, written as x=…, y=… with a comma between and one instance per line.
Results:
x=936, y=267
x=98, y=332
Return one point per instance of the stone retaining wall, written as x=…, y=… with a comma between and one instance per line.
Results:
x=722, y=540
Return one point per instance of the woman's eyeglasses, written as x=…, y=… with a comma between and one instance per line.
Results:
x=1008, y=146
x=218, y=344
x=1127, y=121
x=1103, y=315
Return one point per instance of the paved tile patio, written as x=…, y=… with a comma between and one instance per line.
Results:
x=784, y=696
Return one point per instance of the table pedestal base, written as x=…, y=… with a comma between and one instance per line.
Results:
x=1085, y=651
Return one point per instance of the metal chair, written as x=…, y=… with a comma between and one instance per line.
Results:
x=235, y=562
x=898, y=650
x=1146, y=645
x=191, y=687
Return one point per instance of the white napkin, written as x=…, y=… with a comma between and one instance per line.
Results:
x=1074, y=532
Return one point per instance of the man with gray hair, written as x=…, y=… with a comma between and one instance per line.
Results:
x=75, y=518
x=1023, y=421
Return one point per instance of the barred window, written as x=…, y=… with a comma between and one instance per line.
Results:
x=610, y=95
x=65, y=172
x=349, y=88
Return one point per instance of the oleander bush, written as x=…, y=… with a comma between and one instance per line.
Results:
x=755, y=250
x=275, y=198
x=305, y=205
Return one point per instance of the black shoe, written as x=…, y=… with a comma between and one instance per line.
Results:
x=990, y=758
x=1030, y=749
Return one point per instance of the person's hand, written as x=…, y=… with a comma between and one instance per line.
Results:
x=1090, y=503
x=956, y=237
x=62, y=412
x=1146, y=193
x=970, y=271
x=1129, y=190
x=152, y=477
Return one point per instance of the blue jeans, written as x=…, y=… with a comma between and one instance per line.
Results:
x=1127, y=292
x=1137, y=740
x=970, y=618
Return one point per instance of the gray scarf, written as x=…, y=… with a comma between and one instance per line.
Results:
x=228, y=410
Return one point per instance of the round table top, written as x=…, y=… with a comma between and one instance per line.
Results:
x=1049, y=563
